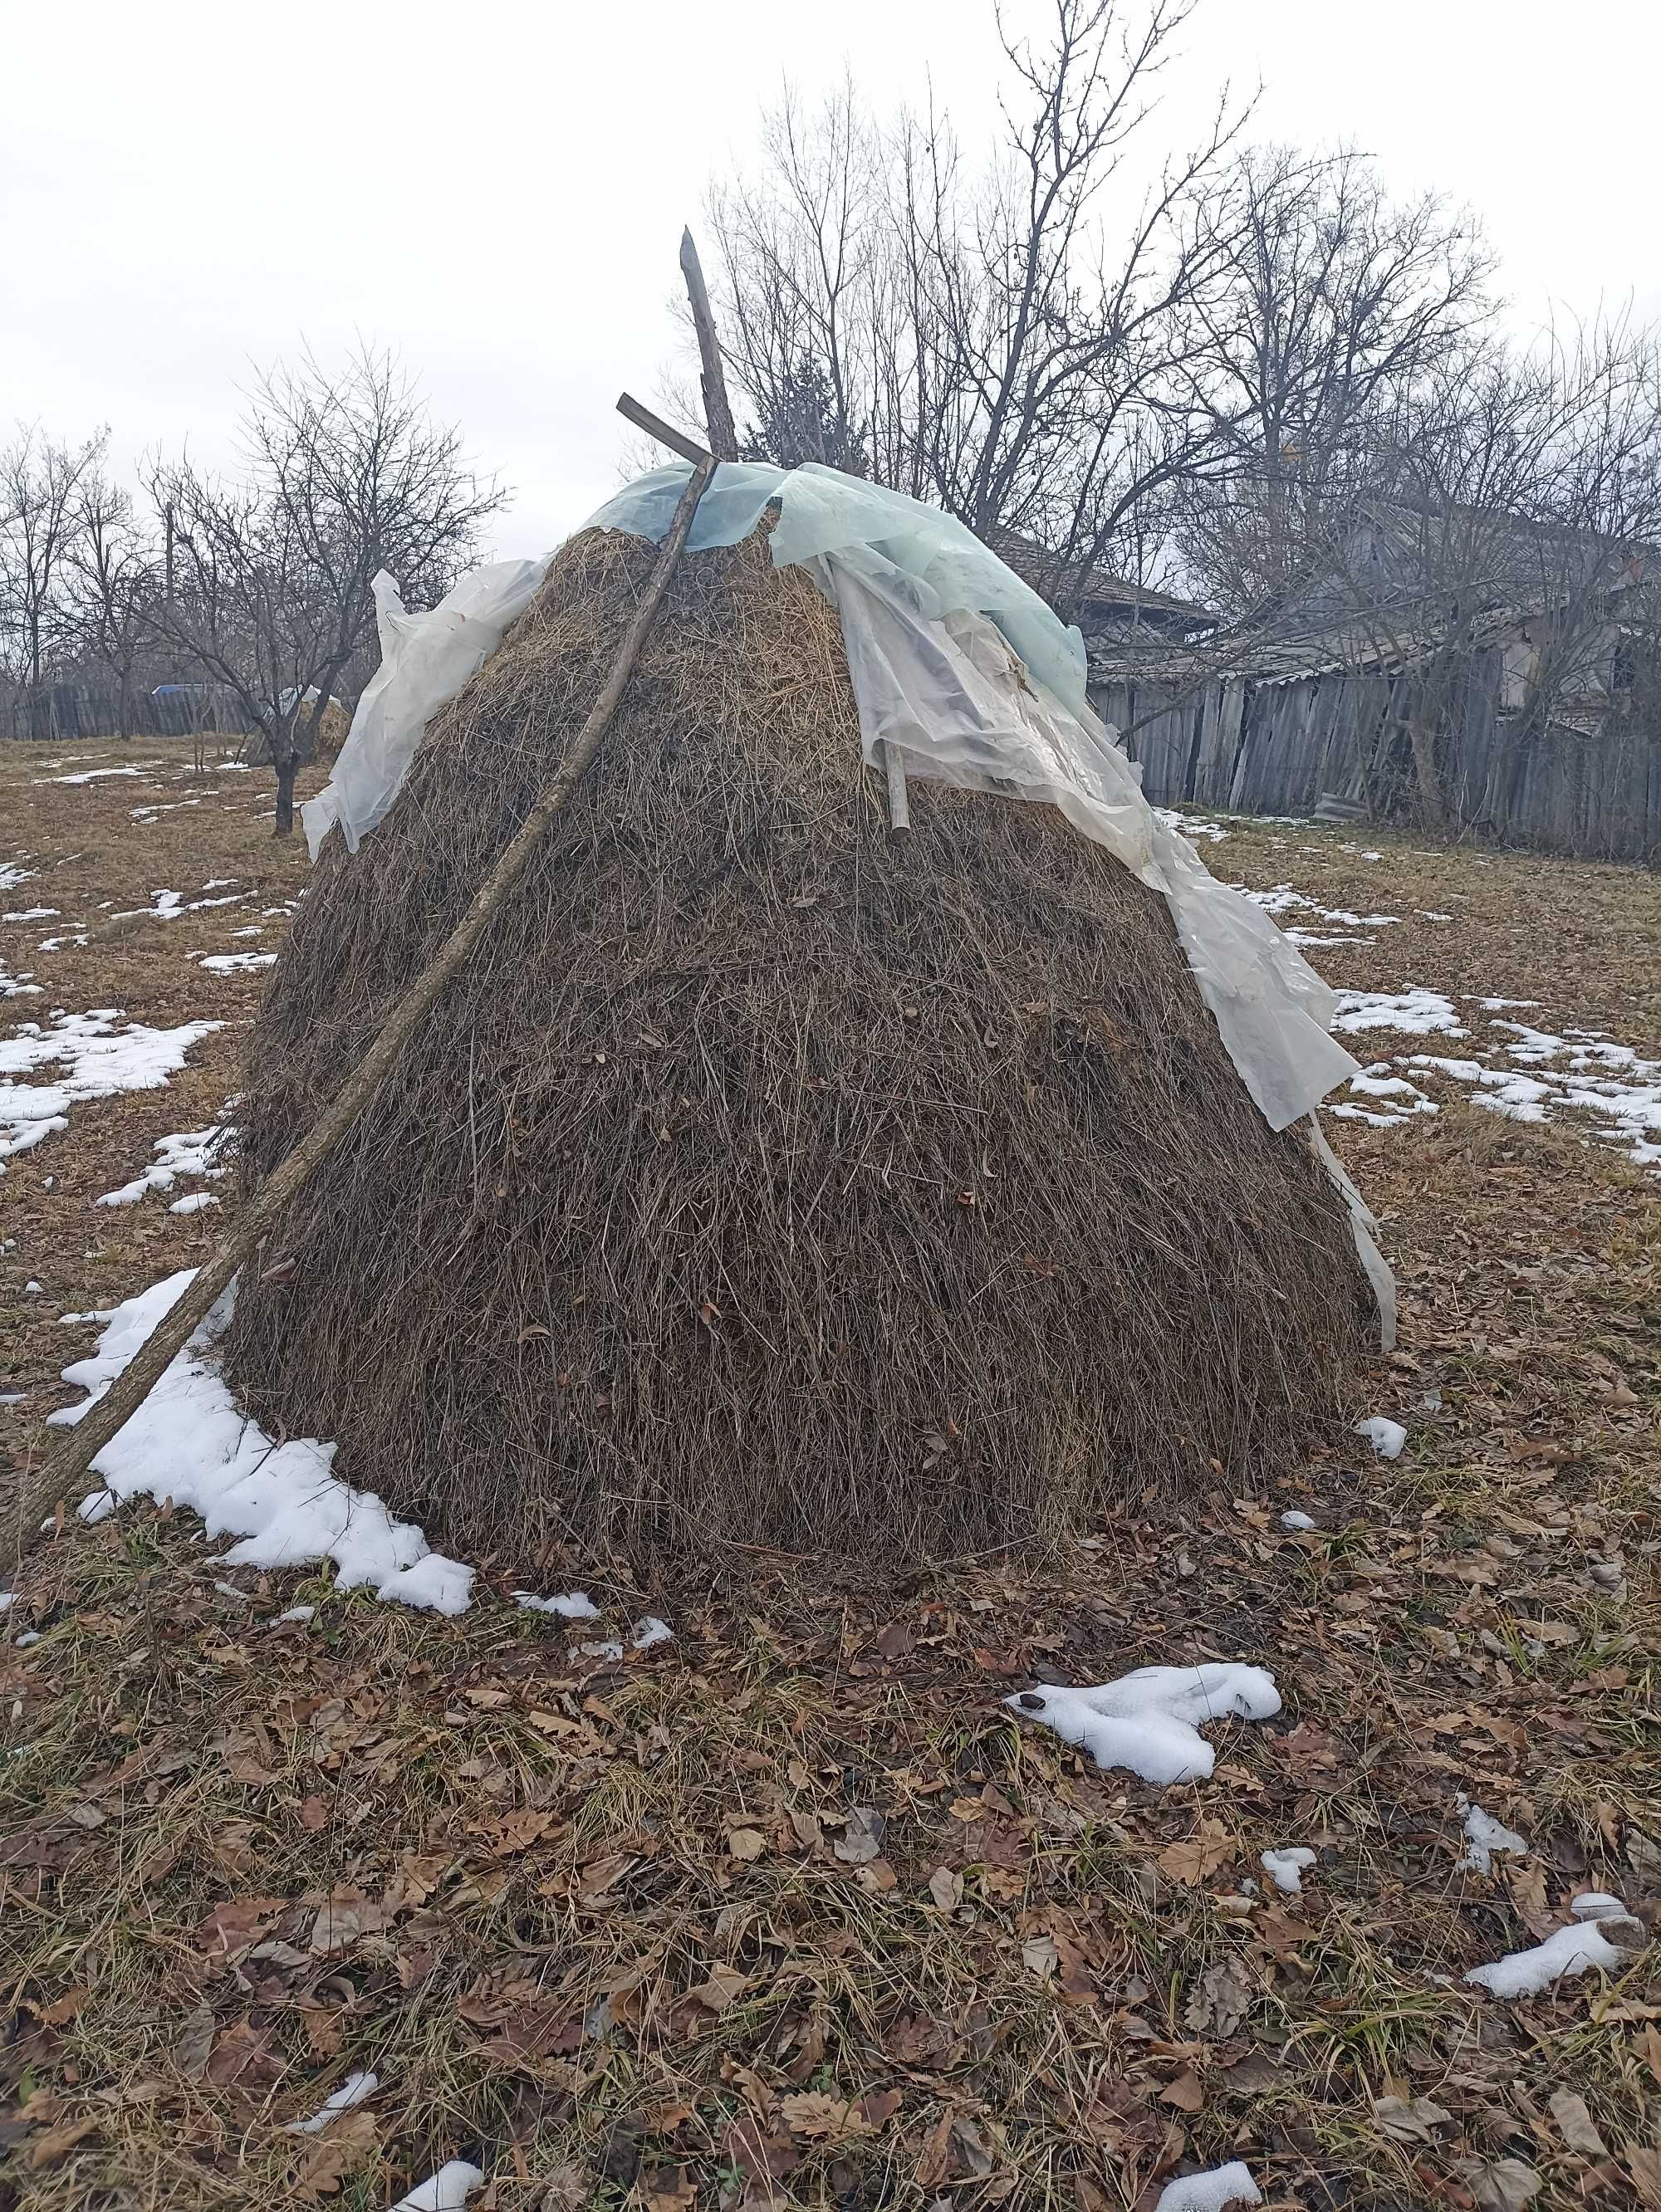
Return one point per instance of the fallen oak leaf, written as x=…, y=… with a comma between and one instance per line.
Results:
x=330, y=2157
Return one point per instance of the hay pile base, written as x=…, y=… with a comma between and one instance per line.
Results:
x=764, y=1182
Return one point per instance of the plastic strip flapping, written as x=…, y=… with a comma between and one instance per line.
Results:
x=963, y=671
x=425, y=658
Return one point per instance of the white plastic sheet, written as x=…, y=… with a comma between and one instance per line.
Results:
x=425, y=658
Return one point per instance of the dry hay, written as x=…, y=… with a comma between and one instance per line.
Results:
x=763, y=1182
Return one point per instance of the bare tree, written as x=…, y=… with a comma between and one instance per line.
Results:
x=267, y=578
x=114, y=587
x=40, y=484
x=1335, y=304
x=977, y=335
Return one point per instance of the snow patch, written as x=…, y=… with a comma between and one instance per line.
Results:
x=191, y=1152
x=1386, y=1436
x=1285, y=1868
x=1191, y=826
x=1218, y=2187
x=352, y=2091
x=1572, y=1951
x=103, y=1057
x=189, y=1442
x=231, y=963
x=447, y=2190
x=1149, y=1722
x=574, y=1605
x=1417, y=1012
x=1484, y=1835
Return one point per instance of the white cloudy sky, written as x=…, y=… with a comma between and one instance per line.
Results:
x=498, y=192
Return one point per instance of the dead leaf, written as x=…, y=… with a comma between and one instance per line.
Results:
x=946, y=1888
x=880, y=2108
x=1186, y=2092
x=820, y=2118
x=1221, y=2001
x=667, y=2188
x=1643, y=2166
x=1576, y=2125
x=746, y=1844
x=231, y=1927
x=861, y=1839
x=192, y=2042
x=1040, y=1956
x=329, y=2158
x=58, y=2143
x=724, y=1986
x=1507, y=2186
x=313, y=1813
x=1410, y=2119
x=1196, y=1857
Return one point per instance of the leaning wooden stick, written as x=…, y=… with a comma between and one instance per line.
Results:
x=665, y=432
x=102, y=1421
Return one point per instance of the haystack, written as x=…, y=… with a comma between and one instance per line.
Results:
x=766, y=1182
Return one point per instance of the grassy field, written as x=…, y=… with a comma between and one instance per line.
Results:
x=792, y=1909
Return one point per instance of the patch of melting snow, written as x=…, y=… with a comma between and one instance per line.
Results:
x=1539, y=1076
x=649, y=1631
x=1574, y=1950
x=1386, y=1436
x=191, y=1152
x=1401, y=1097
x=16, y=986
x=33, y=914
x=1416, y=1013
x=1484, y=1835
x=1286, y=1868
x=1213, y=2191
x=190, y=1441
x=98, y=774
x=352, y=2091
x=573, y=1605
x=1149, y=1722
x=104, y=1054
x=447, y=2190
x=13, y=872
x=231, y=963
x=1190, y=826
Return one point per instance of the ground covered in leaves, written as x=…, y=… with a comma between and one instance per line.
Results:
x=791, y=1909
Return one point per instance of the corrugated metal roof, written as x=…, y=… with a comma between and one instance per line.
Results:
x=1054, y=577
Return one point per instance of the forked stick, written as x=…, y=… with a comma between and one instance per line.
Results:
x=102, y=1421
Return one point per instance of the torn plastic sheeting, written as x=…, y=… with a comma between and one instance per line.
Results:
x=823, y=511
x=425, y=658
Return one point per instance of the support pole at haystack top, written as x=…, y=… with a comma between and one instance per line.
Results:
x=58, y=1480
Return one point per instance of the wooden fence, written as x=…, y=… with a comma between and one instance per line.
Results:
x=1258, y=747
x=56, y=711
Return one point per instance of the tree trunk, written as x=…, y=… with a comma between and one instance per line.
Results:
x=1421, y=735
x=286, y=772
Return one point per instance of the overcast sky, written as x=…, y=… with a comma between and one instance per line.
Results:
x=186, y=188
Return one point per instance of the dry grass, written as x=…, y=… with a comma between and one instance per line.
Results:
x=524, y=1839
x=765, y=1182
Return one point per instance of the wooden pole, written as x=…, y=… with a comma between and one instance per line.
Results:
x=899, y=805
x=665, y=432
x=110, y=1413
x=723, y=435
